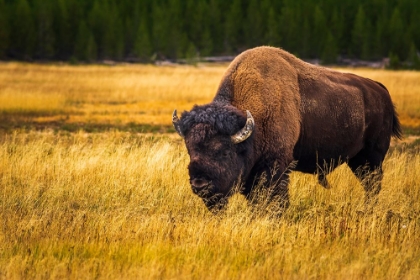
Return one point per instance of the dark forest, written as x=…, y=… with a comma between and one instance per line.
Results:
x=148, y=30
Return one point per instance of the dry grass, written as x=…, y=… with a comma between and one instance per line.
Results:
x=130, y=95
x=118, y=206
x=102, y=94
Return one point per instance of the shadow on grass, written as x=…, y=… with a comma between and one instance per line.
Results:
x=411, y=130
x=10, y=122
x=411, y=147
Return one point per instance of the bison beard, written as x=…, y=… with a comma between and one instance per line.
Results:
x=274, y=113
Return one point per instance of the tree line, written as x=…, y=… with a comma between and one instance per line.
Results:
x=91, y=30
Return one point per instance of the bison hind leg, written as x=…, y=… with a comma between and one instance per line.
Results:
x=368, y=169
x=323, y=170
x=322, y=180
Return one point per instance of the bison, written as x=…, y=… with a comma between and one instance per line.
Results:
x=273, y=113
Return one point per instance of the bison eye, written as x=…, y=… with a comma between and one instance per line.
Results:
x=222, y=154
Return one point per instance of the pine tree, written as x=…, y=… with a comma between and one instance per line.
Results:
x=160, y=29
x=216, y=26
x=361, y=35
x=191, y=54
x=289, y=28
x=91, y=53
x=117, y=39
x=99, y=18
x=63, y=46
x=358, y=35
x=396, y=30
x=380, y=49
x=206, y=42
x=52, y=29
x=415, y=24
x=330, y=51
x=233, y=30
x=4, y=30
x=254, y=25
x=272, y=37
x=195, y=10
x=23, y=35
x=198, y=27
x=130, y=15
x=413, y=57
x=45, y=32
x=305, y=47
x=142, y=45
x=178, y=38
x=76, y=10
x=394, y=61
x=81, y=50
x=320, y=31
x=336, y=26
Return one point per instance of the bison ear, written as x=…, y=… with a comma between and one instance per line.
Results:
x=175, y=122
x=246, y=131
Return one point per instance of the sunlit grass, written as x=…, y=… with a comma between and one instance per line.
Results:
x=102, y=94
x=118, y=205
x=35, y=103
x=144, y=94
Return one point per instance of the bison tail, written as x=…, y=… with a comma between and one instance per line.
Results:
x=396, y=126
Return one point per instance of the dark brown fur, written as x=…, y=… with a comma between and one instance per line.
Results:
x=313, y=115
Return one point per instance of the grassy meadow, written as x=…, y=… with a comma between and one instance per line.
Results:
x=94, y=185
x=139, y=98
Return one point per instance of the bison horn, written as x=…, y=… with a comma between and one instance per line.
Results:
x=246, y=131
x=175, y=122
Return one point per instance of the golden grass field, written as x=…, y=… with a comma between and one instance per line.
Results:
x=129, y=96
x=93, y=185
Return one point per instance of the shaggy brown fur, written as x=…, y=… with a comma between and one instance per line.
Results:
x=302, y=112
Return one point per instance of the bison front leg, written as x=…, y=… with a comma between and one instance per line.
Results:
x=269, y=189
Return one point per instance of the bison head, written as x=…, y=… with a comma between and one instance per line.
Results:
x=217, y=140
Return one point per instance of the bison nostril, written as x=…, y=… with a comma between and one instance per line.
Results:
x=199, y=184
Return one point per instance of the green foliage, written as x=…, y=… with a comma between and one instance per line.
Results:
x=330, y=52
x=233, y=27
x=396, y=30
x=191, y=54
x=273, y=36
x=62, y=29
x=121, y=29
x=23, y=39
x=254, y=24
x=85, y=47
x=4, y=30
x=319, y=30
x=394, y=61
x=143, y=46
x=361, y=35
x=413, y=58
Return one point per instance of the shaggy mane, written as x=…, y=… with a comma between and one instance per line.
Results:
x=225, y=119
